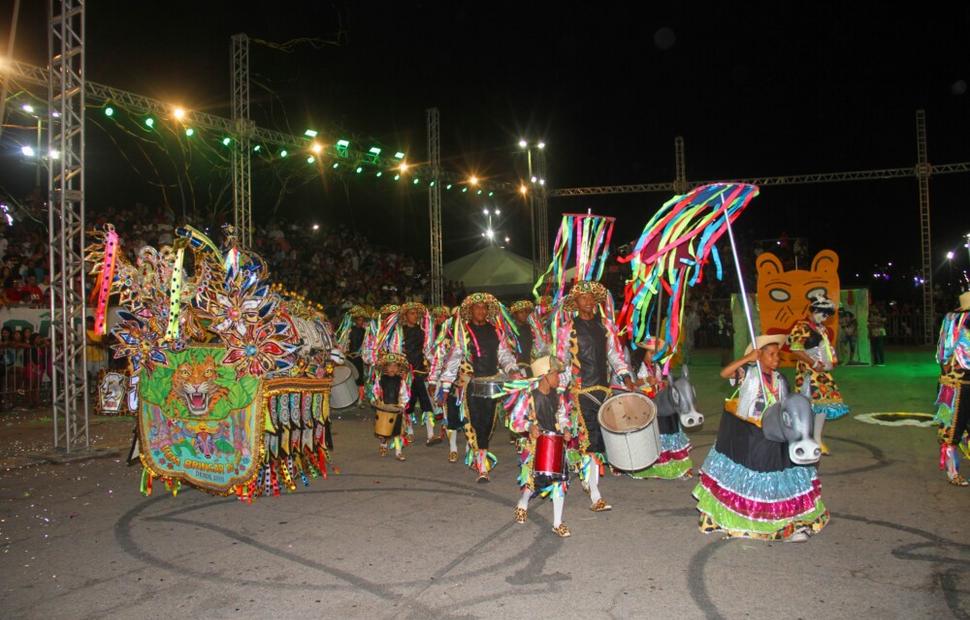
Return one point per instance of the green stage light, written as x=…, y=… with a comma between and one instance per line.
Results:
x=490, y=194
x=149, y=122
x=397, y=177
x=379, y=174
x=431, y=184
x=449, y=186
x=374, y=151
x=479, y=192
x=109, y=111
x=359, y=169
x=226, y=141
x=464, y=190
x=311, y=159
x=283, y=153
x=399, y=155
x=342, y=147
x=336, y=165
x=189, y=132
x=310, y=133
x=416, y=181
x=256, y=148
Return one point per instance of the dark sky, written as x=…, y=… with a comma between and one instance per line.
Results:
x=780, y=88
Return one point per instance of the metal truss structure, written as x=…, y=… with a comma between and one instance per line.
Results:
x=434, y=204
x=242, y=155
x=65, y=99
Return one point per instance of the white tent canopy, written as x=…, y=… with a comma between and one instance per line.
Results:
x=493, y=270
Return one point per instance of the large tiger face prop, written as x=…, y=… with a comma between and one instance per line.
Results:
x=195, y=384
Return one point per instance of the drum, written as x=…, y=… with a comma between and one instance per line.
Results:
x=628, y=422
x=387, y=416
x=487, y=387
x=550, y=456
x=343, y=392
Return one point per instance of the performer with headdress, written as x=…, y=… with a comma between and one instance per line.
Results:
x=409, y=331
x=587, y=342
x=444, y=342
x=811, y=345
x=749, y=487
x=391, y=390
x=953, y=401
x=532, y=338
x=350, y=339
x=481, y=347
x=674, y=461
x=440, y=315
x=538, y=407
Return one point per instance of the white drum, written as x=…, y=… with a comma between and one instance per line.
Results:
x=343, y=392
x=628, y=422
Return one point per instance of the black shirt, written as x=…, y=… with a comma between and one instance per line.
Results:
x=414, y=346
x=546, y=406
x=591, y=341
x=356, y=339
x=526, y=341
x=485, y=357
x=391, y=388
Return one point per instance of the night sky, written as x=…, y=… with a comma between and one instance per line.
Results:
x=780, y=88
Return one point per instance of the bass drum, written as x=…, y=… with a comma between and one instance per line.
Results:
x=343, y=392
x=628, y=422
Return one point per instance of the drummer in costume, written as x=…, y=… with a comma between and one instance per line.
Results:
x=953, y=402
x=481, y=348
x=538, y=413
x=391, y=391
x=815, y=357
x=749, y=486
x=674, y=461
x=587, y=343
x=440, y=315
x=410, y=332
x=350, y=339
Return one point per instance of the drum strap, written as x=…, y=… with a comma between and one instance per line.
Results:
x=588, y=393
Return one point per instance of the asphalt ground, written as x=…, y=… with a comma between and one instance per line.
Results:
x=421, y=539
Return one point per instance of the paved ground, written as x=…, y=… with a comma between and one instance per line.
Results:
x=421, y=539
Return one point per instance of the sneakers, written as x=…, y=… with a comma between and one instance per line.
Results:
x=957, y=480
x=520, y=515
x=562, y=531
x=600, y=506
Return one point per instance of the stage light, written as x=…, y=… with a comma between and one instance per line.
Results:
x=397, y=177
x=484, y=211
x=431, y=184
x=283, y=153
x=541, y=145
x=523, y=144
x=316, y=147
x=256, y=148
x=479, y=192
x=316, y=227
x=311, y=159
x=379, y=174
x=55, y=154
x=150, y=122
x=490, y=233
x=464, y=190
x=109, y=111
x=449, y=186
x=403, y=167
x=178, y=113
x=506, y=240
x=473, y=180
x=359, y=169
x=29, y=109
x=189, y=132
x=336, y=165
x=310, y=133
x=399, y=155
x=498, y=212
x=374, y=151
x=534, y=179
x=490, y=194
x=523, y=189
x=226, y=141
x=27, y=151
x=542, y=182
x=416, y=180
x=342, y=147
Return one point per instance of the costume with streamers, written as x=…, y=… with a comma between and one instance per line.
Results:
x=591, y=351
x=527, y=406
x=230, y=375
x=416, y=343
x=533, y=339
x=393, y=390
x=478, y=350
x=748, y=485
x=813, y=339
x=670, y=255
x=953, y=400
x=350, y=339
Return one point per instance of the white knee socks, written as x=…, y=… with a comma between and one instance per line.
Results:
x=557, y=503
x=429, y=424
x=817, y=431
x=594, y=482
x=453, y=440
x=524, y=500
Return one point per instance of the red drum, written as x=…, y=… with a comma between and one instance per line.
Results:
x=550, y=456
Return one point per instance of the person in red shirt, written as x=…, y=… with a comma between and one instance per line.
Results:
x=30, y=293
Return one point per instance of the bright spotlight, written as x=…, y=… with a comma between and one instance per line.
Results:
x=403, y=167
x=473, y=180
x=490, y=233
x=29, y=109
x=497, y=212
x=316, y=148
x=523, y=144
x=178, y=113
x=55, y=154
x=950, y=255
x=484, y=211
x=27, y=151
x=523, y=189
x=541, y=145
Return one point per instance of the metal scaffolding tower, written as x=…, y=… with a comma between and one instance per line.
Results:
x=923, y=171
x=65, y=99
x=542, y=208
x=242, y=156
x=434, y=204
x=680, y=167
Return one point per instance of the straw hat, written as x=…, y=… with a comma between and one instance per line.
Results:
x=441, y=311
x=765, y=339
x=388, y=309
x=965, y=301
x=597, y=290
x=358, y=312
x=523, y=305
x=413, y=305
x=544, y=365
x=387, y=358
